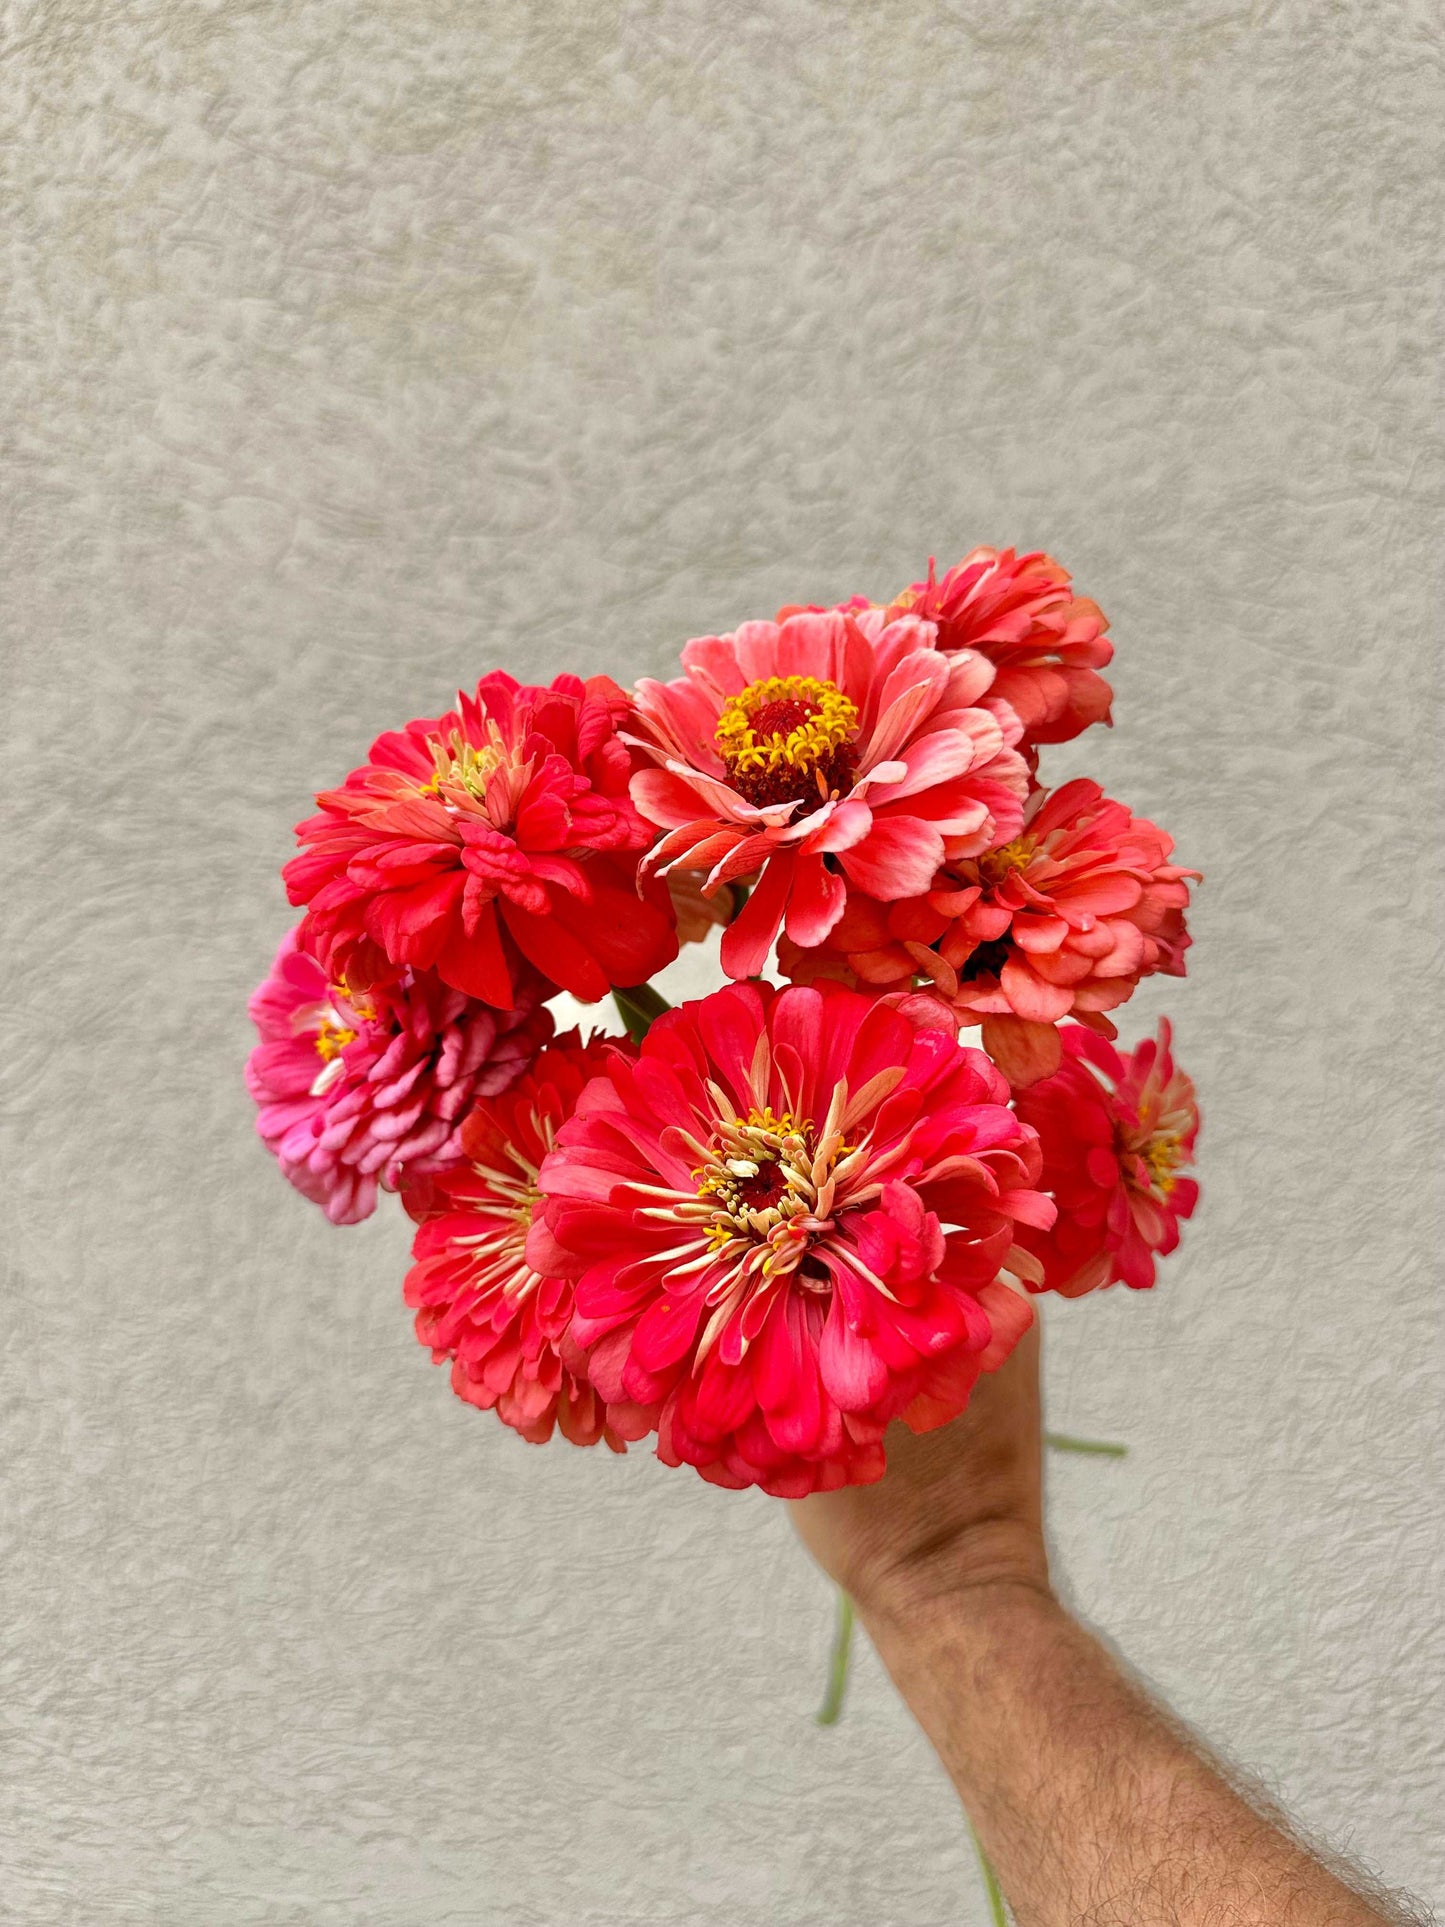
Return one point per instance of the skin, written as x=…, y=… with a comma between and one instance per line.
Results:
x=1090, y=1800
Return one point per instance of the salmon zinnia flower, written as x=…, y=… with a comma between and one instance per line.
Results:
x=355, y=1090
x=828, y=750
x=1063, y=920
x=1021, y=612
x=479, y=1303
x=786, y=1220
x=1117, y=1131
x=498, y=833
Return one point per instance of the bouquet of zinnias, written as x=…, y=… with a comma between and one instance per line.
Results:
x=763, y=1226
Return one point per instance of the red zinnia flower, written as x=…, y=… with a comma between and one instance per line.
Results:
x=786, y=1221
x=1021, y=612
x=825, y=751
x=1116, y=1131
x=501, y=831
x=1061, y=921
x=356, y=1089
x=477, y=1299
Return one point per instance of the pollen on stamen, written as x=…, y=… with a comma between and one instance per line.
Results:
x=1162, y=1156
x=332, y=1038
x=788, y=739
x=995, y=865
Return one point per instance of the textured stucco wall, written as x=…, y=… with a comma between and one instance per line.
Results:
x=350, y=350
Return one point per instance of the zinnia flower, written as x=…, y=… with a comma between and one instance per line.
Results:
x=1063, y=920
x=786, y=1220
x=499, y=832
x=828, y=750
x=478, y=1300
x=1021, y=612
x=357, y=1089
x=1117, y=1130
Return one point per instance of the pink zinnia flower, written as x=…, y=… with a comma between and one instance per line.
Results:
x=478, y=1301
x=499, y=832
x=1117, y=1129
x=786, y=1221
x=826, y=751
x=1021, y=612
x=356, y=1090
x=1063, y=920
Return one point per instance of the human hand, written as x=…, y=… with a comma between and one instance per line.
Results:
x=957, y=1508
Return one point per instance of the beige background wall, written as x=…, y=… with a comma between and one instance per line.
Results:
x=350, y=350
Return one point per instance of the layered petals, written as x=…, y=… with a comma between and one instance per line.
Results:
x=1118, y=1131
x=481, y=1305
x=496, y=840
x=786, y=1221
x=828, y=751
x=356, y=1091
x=1062, y=921
x=1047, y=645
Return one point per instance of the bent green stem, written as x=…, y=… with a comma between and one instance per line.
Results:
x=838, y=1664
x=1099, y=1448
x=997, y=1912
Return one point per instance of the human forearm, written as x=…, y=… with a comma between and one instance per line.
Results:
x=1093, y=1806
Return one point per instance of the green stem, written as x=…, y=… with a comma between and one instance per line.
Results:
x=997, y=1912
x=637, y=1006
x=1100, y=1448
x=838, y=1665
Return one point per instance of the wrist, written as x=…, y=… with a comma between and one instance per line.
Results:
x=995, y=1562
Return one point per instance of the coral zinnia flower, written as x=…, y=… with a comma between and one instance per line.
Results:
x=786, y=1221
x=357, y=1089
x=1021, y=612
x=498, y=832
x=1116, y=1130
x=1061, y=921
x=478, y=1301
x=825, y=747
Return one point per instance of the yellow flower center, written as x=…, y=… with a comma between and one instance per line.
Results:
x=1162, y=1156
x=766, y=1182
x=465, y=766
x=788, y=739
x=995, y=865
x=332, y=1038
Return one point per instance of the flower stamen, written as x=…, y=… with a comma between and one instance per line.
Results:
x=788, y=739
x=995, y=865
x=1161, y=1156
x=767, y=1185
x=332, y=1038
x=468, y=776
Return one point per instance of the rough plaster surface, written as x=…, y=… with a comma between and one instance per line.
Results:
x=352, y=350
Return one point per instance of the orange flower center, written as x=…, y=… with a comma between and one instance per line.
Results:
x=788, y=739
